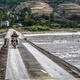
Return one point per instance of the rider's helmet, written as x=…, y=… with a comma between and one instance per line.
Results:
x=14, y=32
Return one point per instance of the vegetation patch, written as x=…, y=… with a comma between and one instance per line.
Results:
x=37, y=28
x=2, y=30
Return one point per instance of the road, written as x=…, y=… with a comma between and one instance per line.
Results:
x=15, y=67
x=28, y=63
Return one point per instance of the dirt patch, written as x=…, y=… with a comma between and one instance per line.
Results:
x=3, y=60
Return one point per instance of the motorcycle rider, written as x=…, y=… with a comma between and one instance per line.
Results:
x=14, y=35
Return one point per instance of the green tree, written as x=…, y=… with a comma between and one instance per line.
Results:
x=2, y=15
x=26, y=17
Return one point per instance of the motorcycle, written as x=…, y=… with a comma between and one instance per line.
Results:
x=14, y=42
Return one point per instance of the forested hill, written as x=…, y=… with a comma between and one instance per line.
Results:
x=49, y=1
x=11, y=4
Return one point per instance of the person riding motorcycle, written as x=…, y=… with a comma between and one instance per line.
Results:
x=14, y=36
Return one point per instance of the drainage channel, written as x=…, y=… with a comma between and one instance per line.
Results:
x=3, y=59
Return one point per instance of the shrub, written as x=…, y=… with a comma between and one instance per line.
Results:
x=37, y=28
x=28, y=23
x=55, y=25
x=68, y=24
x=43, y=28
x=31, y=28
x=78, y=25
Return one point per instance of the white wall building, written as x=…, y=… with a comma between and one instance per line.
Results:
x=4, y=23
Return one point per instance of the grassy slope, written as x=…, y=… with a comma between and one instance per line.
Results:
x=2, y=30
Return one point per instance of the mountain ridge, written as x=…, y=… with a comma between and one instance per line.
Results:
x=16, y=2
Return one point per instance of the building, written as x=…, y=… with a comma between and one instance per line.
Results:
x=4, y=23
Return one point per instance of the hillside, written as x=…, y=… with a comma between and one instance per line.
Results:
x=14, y=2
x=44, y=7
x=53, y=3
x=37, y=8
